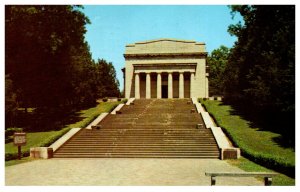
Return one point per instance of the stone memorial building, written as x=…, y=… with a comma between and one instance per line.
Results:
x=165, y=68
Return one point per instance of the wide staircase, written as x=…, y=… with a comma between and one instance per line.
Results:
x=151, y=128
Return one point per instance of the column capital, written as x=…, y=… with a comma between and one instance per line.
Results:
x=136, y=72
x=181, y=72
x=170, y=72
x=147, y=72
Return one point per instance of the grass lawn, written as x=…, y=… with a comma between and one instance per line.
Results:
x=247, y=165
x=16, y=161
x=256, y=144
x=36, y=139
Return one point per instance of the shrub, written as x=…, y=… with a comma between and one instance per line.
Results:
x=11, y=131
x=12, y=156
x=51, y=140
x=119, y=99
x=113, y=107
x=105, y=99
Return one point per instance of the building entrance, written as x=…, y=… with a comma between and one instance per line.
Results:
x=164, y=91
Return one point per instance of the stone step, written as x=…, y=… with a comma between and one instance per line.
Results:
x=148, y=129
x=199, y=145
x=135, y=156
x=143, y=150
x=142, y=153
x=140, y=147
x=126, y=134
x=124, y=142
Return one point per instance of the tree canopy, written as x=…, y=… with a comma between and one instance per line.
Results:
x=48, y=64
x=261, y=65
x=217, y=62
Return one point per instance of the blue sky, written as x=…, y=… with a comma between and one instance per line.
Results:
x=113, y=27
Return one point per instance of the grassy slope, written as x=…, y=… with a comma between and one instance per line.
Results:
x=245, y=136
x=36, y=139
x=247, y=165
x=257, y=142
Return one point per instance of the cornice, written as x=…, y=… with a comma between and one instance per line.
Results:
x=165, y=55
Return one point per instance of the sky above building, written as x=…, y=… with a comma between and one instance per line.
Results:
x=113, y=27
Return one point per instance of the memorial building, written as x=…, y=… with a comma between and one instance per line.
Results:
x=165, y=68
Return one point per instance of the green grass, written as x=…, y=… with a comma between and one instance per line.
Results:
x=249, y=166
x=16, y=161
x=41, y=139
x=256, y=144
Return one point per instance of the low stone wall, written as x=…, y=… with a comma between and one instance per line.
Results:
x=41, y=152
x=64, y=138
x=47, y=152
x=225, y=146
x=118, y=108
x=199, y=108
x=207, y=120
x=194, y=100
x=130, y=100
x=97, y=120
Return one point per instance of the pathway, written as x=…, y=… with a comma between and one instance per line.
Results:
x=122, y=172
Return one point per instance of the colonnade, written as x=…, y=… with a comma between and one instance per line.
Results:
x=159, y=84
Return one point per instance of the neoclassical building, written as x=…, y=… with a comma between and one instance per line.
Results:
x=165, y=68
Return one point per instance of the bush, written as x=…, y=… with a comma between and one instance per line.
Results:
x=113, y=107
x=104, y=99
x=51, y=140
x=8, y=139
x=119, y=99
x=13, y=156
x=125, y=100
x=11, y=131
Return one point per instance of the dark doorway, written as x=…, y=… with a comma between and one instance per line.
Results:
x=164, y=91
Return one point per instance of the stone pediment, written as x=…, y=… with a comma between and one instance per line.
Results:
x=165, y=47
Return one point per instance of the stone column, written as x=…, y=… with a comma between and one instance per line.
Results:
x=137, y=86
x=192, y=84
x=148, y=86
x=181, y=85
x=170, y=85
x=158, y=91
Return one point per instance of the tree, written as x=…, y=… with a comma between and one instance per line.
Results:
x=261, y=66
x=106, y=81
x=41, y=42
x=11, y=105
x=49, y=63
x=217, y=62
x=262, y=63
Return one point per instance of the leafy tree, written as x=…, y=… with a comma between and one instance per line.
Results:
x=41, y=42
x=263, y=59
x=217, y=62
x=261, y=66
x=11, y=105
x=106, y=81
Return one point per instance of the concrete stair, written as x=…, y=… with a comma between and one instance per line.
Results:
x=151, y=128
